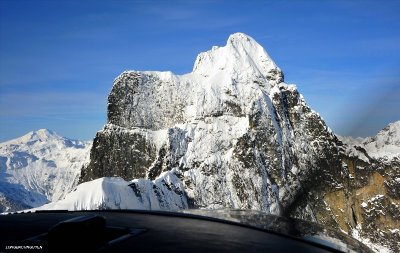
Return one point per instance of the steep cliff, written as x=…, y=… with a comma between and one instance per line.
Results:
x=234, y=135
x=367, y=205
x=237, y=135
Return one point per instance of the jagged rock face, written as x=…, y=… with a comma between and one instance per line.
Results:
x=235, y=134
x=232, y=134
x=128, y=153
x=374, y=186
x=366, y=202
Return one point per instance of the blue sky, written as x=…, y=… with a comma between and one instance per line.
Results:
x=58, y=59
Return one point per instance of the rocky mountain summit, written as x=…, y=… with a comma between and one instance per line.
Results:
x=232, y=131
x=233, y=134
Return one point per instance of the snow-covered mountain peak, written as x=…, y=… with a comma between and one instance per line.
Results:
x=39, y=167
x=231, y=126
x=40, y=135
x=45, y=138
x=390, y=134
x=242, y=57
x=226, y=81
x=386, y=143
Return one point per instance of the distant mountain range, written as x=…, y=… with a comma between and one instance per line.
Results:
x=230, y=134
x=385, y=145
x=38, y=168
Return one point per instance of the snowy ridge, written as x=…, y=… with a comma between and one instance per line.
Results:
x=241, y=58
x=38, y=168
x=164, y=193
x=385, y=145
x=354, y=147
x=225, y=80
